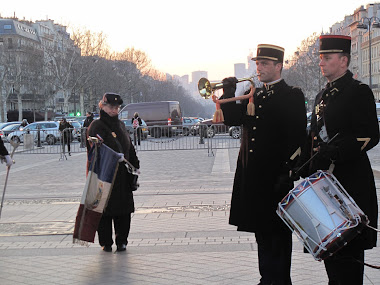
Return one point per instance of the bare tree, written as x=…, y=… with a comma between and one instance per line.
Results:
x=303, y=69
x=7, y=61
x=138, y=57
x=59, y=63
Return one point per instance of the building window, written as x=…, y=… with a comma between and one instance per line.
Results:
x=10, y=43
x=7, y=27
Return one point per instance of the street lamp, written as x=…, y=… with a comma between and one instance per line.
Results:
x=366, y=24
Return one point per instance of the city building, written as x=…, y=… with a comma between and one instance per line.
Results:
x=364, y=28
x=24, y=51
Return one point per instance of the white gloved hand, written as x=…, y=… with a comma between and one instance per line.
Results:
x=121, y=159
x=8, y=160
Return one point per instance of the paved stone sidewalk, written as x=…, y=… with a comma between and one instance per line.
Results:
x=179, y=232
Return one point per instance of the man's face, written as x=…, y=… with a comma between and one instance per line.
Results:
x=111, y=110
x=268, y=70
x=333, y=65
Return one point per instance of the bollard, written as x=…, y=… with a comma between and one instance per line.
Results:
x=83, y=137
x=201, y=140
x=38, y=137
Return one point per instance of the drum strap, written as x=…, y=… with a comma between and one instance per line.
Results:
x=366, y=264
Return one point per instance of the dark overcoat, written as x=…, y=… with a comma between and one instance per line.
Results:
x=347, y=106
x=110, y=130
x=269, y=139
x=3, y=150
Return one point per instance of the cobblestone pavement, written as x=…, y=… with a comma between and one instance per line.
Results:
x=179, y=232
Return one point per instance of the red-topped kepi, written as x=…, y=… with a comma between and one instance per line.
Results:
x=334, y=44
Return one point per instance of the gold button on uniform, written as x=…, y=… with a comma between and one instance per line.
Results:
x=251, y=150
x=253, y=139
x=257, y=117
x=254, y=128
x=260, y=106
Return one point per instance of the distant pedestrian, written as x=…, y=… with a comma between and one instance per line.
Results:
x=87, y=122
x=66, y=134
x=24, y=123
x=136, y=123
x=5, y=155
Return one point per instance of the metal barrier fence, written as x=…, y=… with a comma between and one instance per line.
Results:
x=152, y=138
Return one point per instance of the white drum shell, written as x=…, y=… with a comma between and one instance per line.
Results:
x=319, y=211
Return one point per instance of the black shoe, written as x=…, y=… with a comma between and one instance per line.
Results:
x=107, y=248
x=121, y=247
x=69, y=154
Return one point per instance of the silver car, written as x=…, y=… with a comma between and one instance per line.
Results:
x=48, y=131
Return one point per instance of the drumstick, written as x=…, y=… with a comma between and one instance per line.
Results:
x=311, y=158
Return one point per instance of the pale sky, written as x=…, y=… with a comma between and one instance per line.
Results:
x=181, y=37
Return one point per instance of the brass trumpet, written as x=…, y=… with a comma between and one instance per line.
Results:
x=207, y=88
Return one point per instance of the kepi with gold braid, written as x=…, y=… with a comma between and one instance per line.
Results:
x=271, y=52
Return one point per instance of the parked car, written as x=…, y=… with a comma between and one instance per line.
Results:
x=76, y=130
x=308, y=118
x=235, y=132
x=144, y=128
x=49, y=132
x=4, y=132
x=187, y=123
x=209, y=128
x=3, y=125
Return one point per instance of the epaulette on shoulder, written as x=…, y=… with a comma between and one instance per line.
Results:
x=359, y=83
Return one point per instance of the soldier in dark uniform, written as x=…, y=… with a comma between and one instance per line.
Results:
x=270, y=138
x=345, y=107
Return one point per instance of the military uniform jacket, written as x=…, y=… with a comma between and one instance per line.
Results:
x=269, y=139
x=346, y=107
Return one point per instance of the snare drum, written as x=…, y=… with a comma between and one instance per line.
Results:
x=322, y=214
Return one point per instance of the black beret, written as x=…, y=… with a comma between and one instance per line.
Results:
x=112, y=99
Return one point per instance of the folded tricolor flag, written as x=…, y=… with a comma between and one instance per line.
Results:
x=102, y=168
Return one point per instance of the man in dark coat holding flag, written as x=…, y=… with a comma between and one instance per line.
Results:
x=345, y=109
x=270, y=138
x=120, y=204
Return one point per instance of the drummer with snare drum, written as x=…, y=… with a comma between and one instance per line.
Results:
x=345, y=107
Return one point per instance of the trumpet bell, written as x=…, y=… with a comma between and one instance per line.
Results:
x=207, y=88
x=204, y=88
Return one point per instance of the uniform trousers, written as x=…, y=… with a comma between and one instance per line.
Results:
x=122, y=225
x=275, y=254
x=346, y=266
